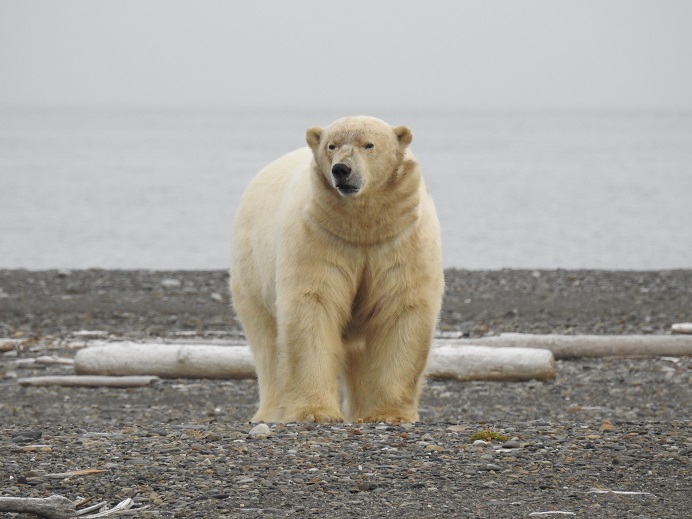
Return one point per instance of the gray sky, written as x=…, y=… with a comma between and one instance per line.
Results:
x=486, y=54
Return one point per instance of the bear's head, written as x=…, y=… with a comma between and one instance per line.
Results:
x=356, y=154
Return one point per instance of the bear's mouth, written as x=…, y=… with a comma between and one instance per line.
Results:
x=346, y=189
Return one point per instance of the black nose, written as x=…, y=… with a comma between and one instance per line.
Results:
x=340, y=170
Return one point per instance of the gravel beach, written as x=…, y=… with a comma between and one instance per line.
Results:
x=609, y=437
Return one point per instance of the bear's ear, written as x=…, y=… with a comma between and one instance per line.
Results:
x=404, y=135
x=313, y=137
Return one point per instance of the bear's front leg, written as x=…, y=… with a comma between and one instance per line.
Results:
x=310, y=357
x=384, y=378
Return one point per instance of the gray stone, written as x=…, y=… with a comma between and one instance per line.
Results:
x=259, y=432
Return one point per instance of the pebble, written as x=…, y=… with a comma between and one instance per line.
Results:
x=26, y=436
x=170, y=283
x=682, y=328
x=367, y=486
x=259, y=432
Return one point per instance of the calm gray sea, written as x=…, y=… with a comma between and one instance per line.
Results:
x=158, y=189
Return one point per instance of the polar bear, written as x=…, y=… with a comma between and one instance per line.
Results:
x=337, y=276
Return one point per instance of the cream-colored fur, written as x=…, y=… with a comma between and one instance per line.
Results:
x=337, y=276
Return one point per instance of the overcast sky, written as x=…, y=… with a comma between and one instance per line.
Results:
x=486, y=54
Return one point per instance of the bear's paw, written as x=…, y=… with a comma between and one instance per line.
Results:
x=317, y=415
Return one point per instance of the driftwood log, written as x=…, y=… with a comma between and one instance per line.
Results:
x=483, y=363
x=208, y=361
x=575, y=346
x=59, y=507
x=165, y=360
x=53, y=507
x=448, y=358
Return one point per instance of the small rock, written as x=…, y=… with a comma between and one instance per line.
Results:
x=142, y=462
x=540, y=423
x=170, y=283
x=259, y=432
x=26, y=436
x=682, y=328
x=511, y=444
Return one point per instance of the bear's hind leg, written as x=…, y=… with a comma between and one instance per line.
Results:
x=356, y=391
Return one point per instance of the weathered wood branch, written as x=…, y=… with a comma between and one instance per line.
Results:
x=89, y=381
x=53, y=507
x=575, y=346
x=59, y=507
x=43, y=360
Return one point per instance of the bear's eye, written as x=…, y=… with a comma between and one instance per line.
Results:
x=369, y=146
x=331, y=147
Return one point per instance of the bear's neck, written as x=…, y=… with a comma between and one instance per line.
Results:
x=376, y=216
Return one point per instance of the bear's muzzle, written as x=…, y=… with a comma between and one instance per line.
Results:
x=344, y=181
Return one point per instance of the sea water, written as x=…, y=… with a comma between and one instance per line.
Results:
x=158, y=189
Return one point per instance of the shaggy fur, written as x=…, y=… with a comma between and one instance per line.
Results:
x=337, y=276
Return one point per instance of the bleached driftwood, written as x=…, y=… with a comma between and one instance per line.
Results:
x=104, y=511
x=53, y=507
x=166, y=360
x=682, y=328
x=88, y=381
x=574, y=346
x=43, y=360
x=484, y=363
x=206, y=361
x=59, y=507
